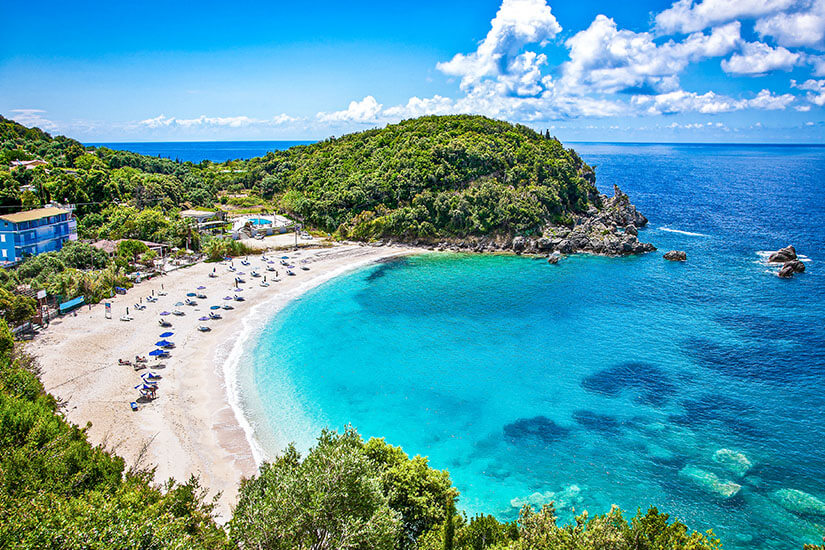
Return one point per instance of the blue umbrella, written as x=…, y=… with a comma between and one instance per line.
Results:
x=214, y=307
x=163, y=343
x=241, y=273
x=227, y=298
x=157, y=352
x=284, y=257
x=165, y=313
x=191, y=294
x=201, y=287
x=167, y=334
x=178, y=303
x=238, y=289
x=203, y=319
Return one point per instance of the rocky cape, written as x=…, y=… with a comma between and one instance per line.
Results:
x=610, y=227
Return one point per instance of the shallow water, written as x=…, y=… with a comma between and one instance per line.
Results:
x=596, y=381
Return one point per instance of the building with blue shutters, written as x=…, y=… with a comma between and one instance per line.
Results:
x=33, y=232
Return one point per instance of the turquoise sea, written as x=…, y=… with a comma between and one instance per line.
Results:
x=597, y=381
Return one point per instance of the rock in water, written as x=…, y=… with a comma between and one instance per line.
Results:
x=710, y=482
x=518, y=244
x=783, y=255
x=799, y=502
x=553, y=259
x=794, y=266
x=734, y=461
x=675, y=256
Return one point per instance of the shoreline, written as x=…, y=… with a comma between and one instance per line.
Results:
x=197, y=424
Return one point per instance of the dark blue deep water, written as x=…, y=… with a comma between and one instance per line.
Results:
x=196, y=151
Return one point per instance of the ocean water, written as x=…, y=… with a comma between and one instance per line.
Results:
x=597, y=381
x=197, y=151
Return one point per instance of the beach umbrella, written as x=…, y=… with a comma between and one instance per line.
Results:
x=178, y=303
x=284, y=257
x=227, y=298
x=163, y=343
x=239, y=289
x=191, y=294
x=167, y=334
x=156, y=352
x=203, y=319
x=241, y=273
x=165, y=313
x=201, y=287
x=214, y=307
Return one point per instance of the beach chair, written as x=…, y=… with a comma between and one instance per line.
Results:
x=204, y=328
x=134, y=406
x=124, y=362
x=164, y=323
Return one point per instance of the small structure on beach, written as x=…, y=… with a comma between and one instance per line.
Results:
x=257, y=224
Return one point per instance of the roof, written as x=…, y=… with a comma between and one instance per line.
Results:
x=197, y=214
x=30, y=215
x=106, y=246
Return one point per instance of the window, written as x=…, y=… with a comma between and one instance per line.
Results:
x=2, y=238
x=5, y=253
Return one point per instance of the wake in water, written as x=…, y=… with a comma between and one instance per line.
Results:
x=690, y=233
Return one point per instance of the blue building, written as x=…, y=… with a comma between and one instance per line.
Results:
x=34, y=232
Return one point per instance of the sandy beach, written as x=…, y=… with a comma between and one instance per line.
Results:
x=191, y=427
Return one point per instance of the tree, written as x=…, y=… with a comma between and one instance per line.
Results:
x=16, y=309
x=331, y=499
x=130, y=249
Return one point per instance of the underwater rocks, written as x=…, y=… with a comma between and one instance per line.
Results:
x=567, y=499
x=799, y=502
x=675, y=256
x=710, y=482
x=733, y=461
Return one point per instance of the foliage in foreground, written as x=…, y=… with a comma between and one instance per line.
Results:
x=58, y=491
x=349, y=494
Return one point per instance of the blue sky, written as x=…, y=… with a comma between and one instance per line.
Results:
x=693, y=70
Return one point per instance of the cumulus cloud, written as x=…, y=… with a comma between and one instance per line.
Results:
x=815, y=89
x=517, y=23
x=686, y=16
x=805, y=27
x=203, y=121
x=709, y=103
x=757, y=58
x=415, y=107
x=364, y=111
x=608, y=60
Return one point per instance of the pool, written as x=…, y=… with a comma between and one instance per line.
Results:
x=259, y=221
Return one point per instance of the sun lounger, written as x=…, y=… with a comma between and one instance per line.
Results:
x=204, y=328
x=124, y=362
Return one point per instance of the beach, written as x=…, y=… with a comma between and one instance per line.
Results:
x=192, y=427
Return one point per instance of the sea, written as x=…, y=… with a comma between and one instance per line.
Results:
x=695, y=387
x=197, y=151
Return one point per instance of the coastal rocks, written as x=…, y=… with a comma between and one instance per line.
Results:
x=783, y=255
x=789, y=268
x=710, y=482
x=733, y=461
x=799, y=502
x=675, y=256
x=553, y=259
x=519, y=244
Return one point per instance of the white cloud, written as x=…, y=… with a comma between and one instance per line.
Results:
x=608, y=60
x=364, y=111
x=415, y=107
x=685, y=16
x=517, y=23
x=33, y=118
x=815, y=89
x=757, y=58
x=709, y=103
x=203, y=121
x=800, y=28
x=803, y=108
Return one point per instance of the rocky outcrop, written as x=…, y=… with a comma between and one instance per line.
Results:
x=733, y=461
x=675, y=256
x=789, y=268
x=789, y=260
x=783, y=255
x=519, y=244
